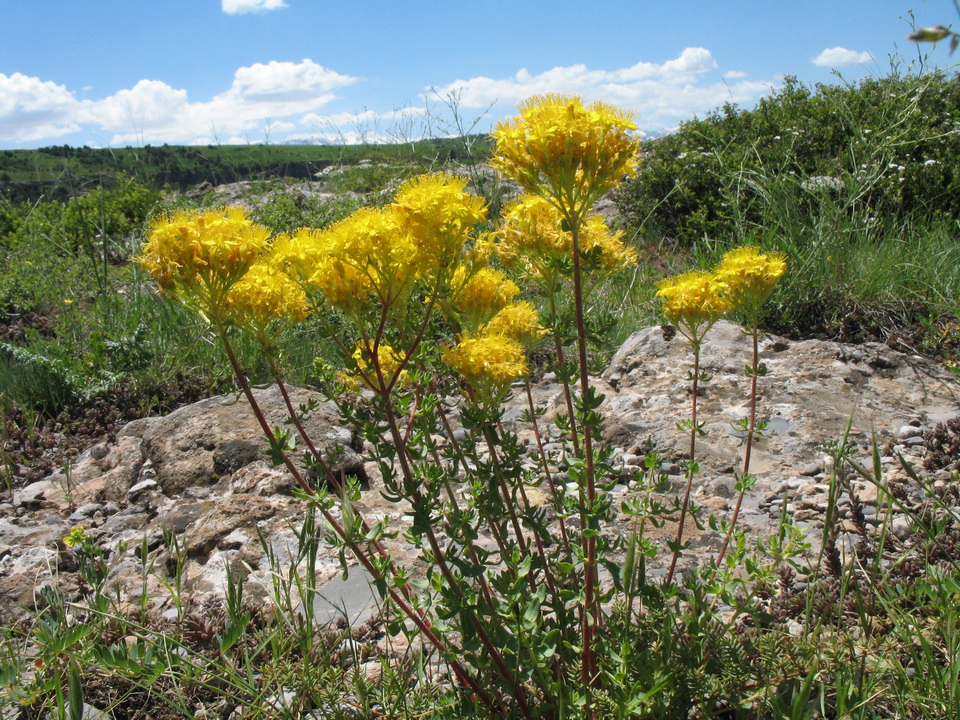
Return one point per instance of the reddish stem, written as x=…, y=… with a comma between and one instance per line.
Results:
x=693, y=454
x=591, y=616
x=546, y=469
x=423, y=625
x=746, y=452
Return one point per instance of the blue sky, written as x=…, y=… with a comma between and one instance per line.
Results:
x=135, y=72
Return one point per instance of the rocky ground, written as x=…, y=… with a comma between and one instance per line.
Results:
x=198, y=474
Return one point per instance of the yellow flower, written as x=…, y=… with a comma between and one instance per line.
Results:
x=368, y=254
x=266, y=298
x=378, y=254
x=440, y=214
x=612, y=253
x=488, y=362
x=201, y=255
x=530, y=236
x=532, y=240
x=519, y=322
x=389, y=363
x=694, y=300
x=559, y=147
x=482, y=295
x=296, y=252
x=77, y=536
x=750, y=276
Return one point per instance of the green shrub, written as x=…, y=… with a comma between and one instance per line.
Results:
x=366, y=177
x=287, y=211
x=107, y=213
x=884, y=147
x=35, y=380
x=9, y=219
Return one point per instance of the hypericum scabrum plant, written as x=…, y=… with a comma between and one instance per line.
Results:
x=427, y=314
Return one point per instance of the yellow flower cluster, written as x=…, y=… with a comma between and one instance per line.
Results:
x=266, y=296
x=519, y=322
x=296, y=252
x=481, y=295
x=694, y=299
x=381, y=252
x=369, y=253
x=742, y=280
x=532, y=240
x=749, y=276
x=437, y=210
x=201, y=255
x=488, y=362
x=559, y=147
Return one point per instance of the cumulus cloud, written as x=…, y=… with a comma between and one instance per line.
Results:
x=241, y=7
x=149, y=103
x=836, y=57
x=260, y=96
x=286, y=82
x=662, y=93
x=33, y=109
x=734, y=74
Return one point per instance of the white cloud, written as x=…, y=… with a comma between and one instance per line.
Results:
x=282, y=82
x=33, y=109
x=241, y=7
x=149, y=103
x=841, y=57
x=662, y=94
x=258, y=100
x=734, y=74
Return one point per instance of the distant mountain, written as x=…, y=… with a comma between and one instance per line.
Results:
x=307, y=141
x=654, y=134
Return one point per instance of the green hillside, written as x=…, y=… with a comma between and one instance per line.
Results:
x=60, y=171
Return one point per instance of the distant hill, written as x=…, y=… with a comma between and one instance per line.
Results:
x=64, y=170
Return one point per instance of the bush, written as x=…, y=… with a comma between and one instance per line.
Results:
x=108, y=213
x=287, y=211
x=884, y=147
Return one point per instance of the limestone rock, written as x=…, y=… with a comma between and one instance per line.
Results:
x=200, y=443
x=196, y=493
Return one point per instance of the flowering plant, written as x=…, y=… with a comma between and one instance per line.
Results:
x=426, y=314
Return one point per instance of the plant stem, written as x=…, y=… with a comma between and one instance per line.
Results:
x=695, y=340
x=439, y=559
x=548, y=575
x=750, y=432
x=567, y=395
x=589, y=525
x=423, y=625
x=546, y=469
x=337, y=485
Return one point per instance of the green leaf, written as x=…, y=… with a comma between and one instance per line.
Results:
x=76, y=693
x=232, y=632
